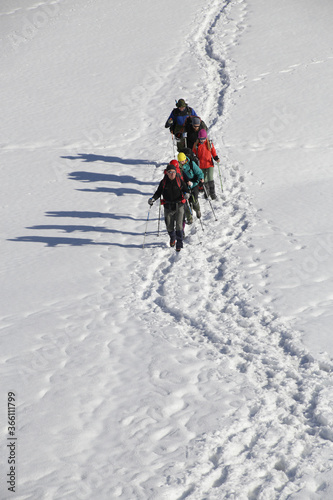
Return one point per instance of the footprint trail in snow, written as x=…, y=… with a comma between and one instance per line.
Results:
x=279, y=427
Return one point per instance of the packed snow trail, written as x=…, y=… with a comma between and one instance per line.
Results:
x=205, y=300
x=216, y=355
x=267, y=446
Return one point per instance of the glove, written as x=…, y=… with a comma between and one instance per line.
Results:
x=217, y=159
x=201, y=183
x=187, y=196
x=151, y=201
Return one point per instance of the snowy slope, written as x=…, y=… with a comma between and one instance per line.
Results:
x=139, y=373
x=285, y=143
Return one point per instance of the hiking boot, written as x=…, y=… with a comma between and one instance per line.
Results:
x=172, y=243
x=178, y=249
x=189, y=220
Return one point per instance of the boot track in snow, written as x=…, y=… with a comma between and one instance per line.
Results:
x=282, y=429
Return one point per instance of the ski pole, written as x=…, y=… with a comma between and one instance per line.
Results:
x=159, y=219
x=144, y=238
x=211, y=206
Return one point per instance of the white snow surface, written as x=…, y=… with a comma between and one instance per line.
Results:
x=140, y=373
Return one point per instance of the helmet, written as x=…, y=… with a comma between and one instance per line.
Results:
x=181, y=157
x=202, y=134
x=174, y=163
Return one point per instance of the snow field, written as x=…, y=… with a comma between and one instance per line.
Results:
x=142, y=373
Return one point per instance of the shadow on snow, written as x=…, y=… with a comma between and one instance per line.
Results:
x=74, y=242
x=82, y=176
x=83, y=229
x=89, y=177
x=92, y=215
x=89, y=158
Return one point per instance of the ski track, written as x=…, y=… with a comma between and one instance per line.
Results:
x=289, y=407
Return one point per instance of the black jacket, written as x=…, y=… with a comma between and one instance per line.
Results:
x=192, y=134
x=170, y=190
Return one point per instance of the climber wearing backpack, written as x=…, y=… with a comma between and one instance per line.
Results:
x=205, y=151
x=194, y=176
x=174, y=193
x=192, y=128
x=177, y=120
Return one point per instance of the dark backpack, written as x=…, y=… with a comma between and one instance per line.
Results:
x=191, y=156
x=187, y=111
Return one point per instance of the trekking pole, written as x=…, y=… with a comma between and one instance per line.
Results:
x=144, y=238
x=200, y=217
x=211, y=206
x=185, y=138
x=173, y=146
x=159, y=219
x=189, y=207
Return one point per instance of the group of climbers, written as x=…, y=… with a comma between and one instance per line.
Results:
x=192, y=171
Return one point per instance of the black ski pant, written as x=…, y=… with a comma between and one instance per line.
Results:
x=174, y=216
